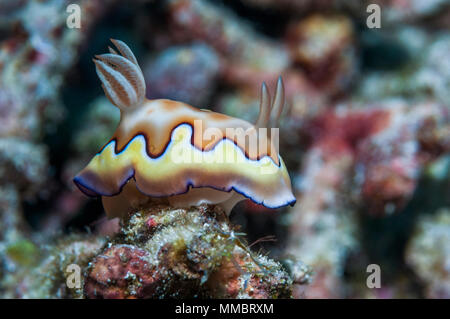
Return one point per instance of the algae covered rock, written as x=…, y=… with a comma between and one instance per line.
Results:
x=162, y=252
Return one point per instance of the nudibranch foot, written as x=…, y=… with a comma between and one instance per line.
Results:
x=128, y=200
x=206, y=195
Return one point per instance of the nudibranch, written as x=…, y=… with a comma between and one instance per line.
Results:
x=168, y=149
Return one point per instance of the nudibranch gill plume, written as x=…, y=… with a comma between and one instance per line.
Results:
x=171, y=150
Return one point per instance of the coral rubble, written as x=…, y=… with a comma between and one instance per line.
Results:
x=158, y=252
x=428, y=253
x=166, y=252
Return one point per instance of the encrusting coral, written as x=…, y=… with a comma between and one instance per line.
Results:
x=183, y=253
x=165, y=75
x=428, y=253
x=250, y=56
x=159, y=252
x=42, y=271
x=382, y=149
x=324, y=46
x=36, y=52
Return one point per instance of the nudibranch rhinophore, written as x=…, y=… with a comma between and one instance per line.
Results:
x=190, y=156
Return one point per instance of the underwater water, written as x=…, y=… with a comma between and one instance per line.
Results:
x=349, y=197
